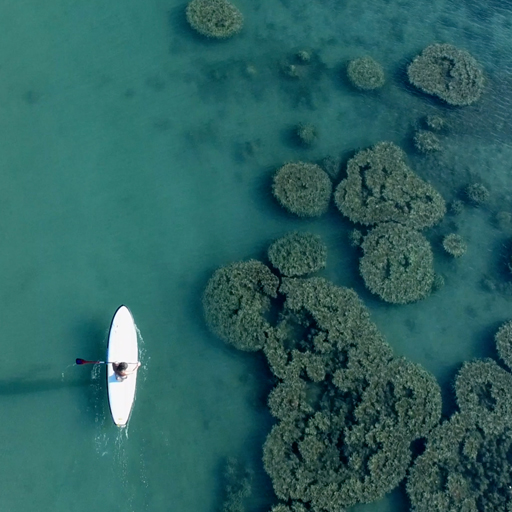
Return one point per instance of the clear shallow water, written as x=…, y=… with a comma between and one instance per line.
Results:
x=124, y=180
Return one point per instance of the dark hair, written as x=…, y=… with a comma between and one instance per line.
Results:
x=122, y=366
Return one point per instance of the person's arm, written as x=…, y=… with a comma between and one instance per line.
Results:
x=134, y=370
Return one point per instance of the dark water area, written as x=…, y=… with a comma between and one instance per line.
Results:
x=137, y=157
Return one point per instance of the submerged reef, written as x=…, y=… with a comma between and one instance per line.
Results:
x=380, y=187
x=356, y=238
x=235, y=302
x=397, y=264
x=466, y=463
x=434, y=122
x=477, y=194
x=454, y=245
x=298, y=254
x=237, y=486
x=306, y=134
x=366, y=73
x=456, y=207
x=438, y=282
x=218, y=19
x=448, y=73
x=303, y=189
x=426, y=142
x=503, y=220
x=305, y=68
x=332, y=166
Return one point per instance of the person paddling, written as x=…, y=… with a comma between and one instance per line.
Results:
x=121, y=370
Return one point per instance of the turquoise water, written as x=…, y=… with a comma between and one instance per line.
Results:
x=126, y=178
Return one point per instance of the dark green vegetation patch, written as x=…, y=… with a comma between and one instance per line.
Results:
x=347, y=408
x=303, y=189
x=448, y=73
x=214, y=18
x=298, y=254
x=398, y=264
x=366, y=73
x=503, y=340
x=236, y=300
x=380, y=187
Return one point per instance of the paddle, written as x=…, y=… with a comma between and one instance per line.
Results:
x=84, y=361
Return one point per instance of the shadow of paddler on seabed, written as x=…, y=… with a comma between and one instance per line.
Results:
x=23, y=385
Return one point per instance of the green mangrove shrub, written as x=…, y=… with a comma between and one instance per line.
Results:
x=426, y=141
x=397, y=264
x=218, y=19
x=380, y=187
x=348, y=410
x=454, y=245
x=503, y=341
x=303, y=189
x=235, y=302
x=298, y=254
x=448, y=73
x=466, y=462
x=365, y=73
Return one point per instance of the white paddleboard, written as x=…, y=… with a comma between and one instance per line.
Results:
x=122, y=347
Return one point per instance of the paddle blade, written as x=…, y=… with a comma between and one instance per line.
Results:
x=83, y=361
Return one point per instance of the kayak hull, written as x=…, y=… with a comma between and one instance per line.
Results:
x=122, y=347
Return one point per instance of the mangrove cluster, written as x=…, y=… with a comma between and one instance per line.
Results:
x=366, y=74
x=298, y=254
x=454, y=245
x=449, y=73
x=347, y=408
x=380, y=187
x=397, y=264
x=467, y=460
x=379, y=191
x=303, y=189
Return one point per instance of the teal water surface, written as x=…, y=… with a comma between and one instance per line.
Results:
x=137, y=158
